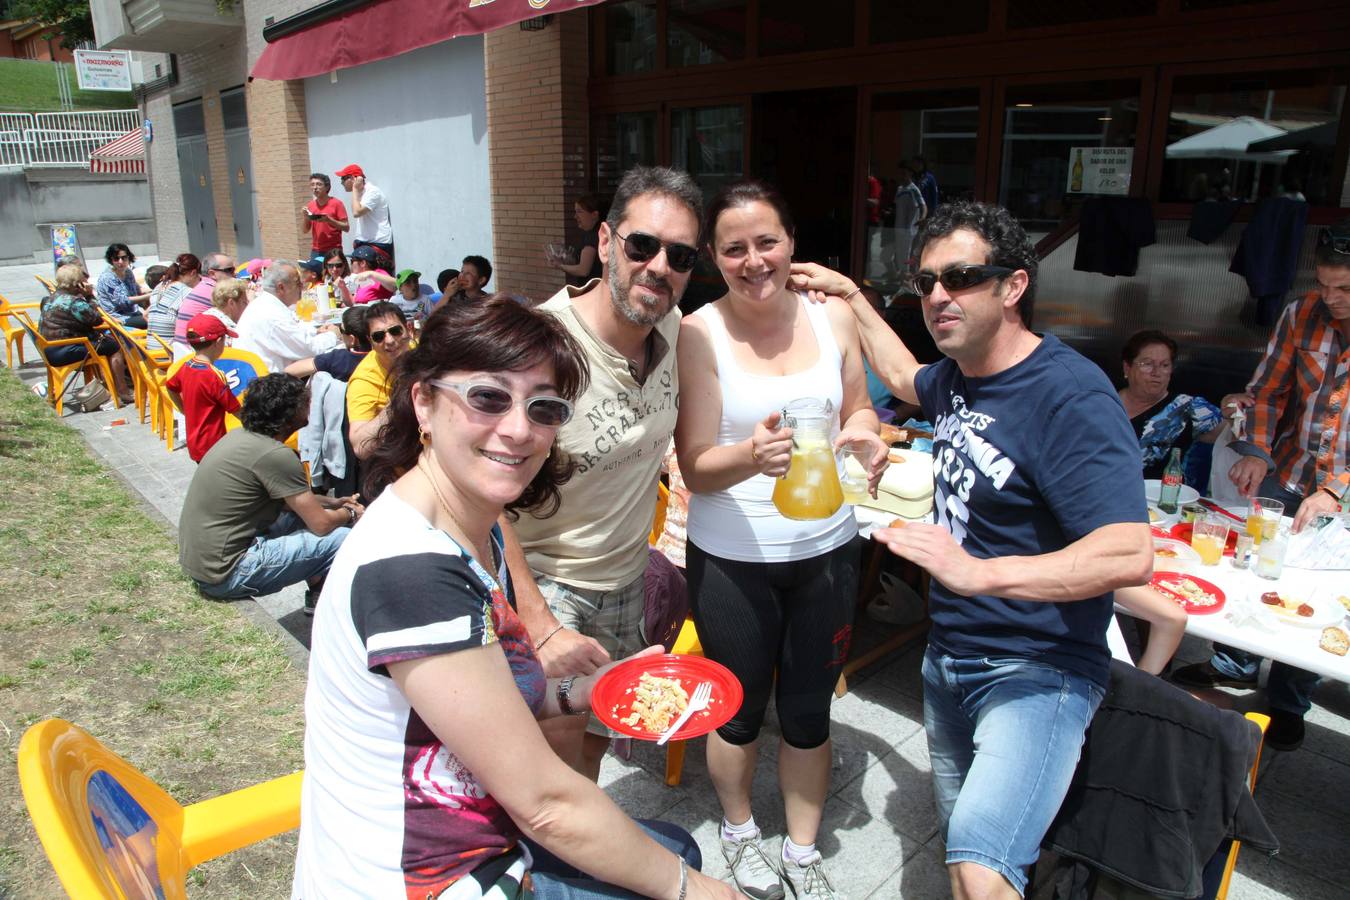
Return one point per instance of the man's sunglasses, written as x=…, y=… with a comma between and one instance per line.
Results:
x=641, y=247
x=491, y=400
x=1338, y=242
x=958, y=278
x=397, y=331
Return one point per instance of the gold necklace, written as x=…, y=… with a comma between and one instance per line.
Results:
x=425, y=468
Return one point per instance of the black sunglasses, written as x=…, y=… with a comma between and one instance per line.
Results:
x=1339, y=243
x=122, y=257
x=332, y=265
x=958, y=278
x=641, y=247
x=490, y=400
x=396, y=331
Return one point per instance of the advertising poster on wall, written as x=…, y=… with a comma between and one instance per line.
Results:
x=1100, y=170
x=65, y=242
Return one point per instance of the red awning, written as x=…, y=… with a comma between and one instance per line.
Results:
x=124, y=156
x=387, y=28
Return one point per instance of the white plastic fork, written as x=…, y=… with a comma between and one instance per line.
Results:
x=697, y=701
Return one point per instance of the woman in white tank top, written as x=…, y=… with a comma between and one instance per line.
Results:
x=768, y=593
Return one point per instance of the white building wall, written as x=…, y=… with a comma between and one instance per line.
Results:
x=417, y=124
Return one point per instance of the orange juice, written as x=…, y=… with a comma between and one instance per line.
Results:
x=304, y=309
x=1254, y=527
x=1209, y=547
x=810, y=489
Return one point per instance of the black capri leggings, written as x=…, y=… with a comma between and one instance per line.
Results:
x=796, y=616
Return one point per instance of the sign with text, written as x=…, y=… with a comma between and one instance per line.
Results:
x=1100, y=170
x=103, y=70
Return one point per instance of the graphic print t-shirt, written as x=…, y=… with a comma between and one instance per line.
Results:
x=387, y=810
x=1026, y=462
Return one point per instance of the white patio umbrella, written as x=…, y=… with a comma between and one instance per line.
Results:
x=1229, y=141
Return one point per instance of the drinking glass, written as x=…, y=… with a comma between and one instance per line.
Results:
x=1270, y=557
x=853, y=475
x=1209, y=534
x=1263, y=517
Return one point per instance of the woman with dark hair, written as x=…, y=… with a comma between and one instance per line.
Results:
x=587, y=212
x=1162, y=419
x=68, y=313
x=425, y=769
x=116, y=289
x=337, y=274
x=182, y=275
x=768, y=593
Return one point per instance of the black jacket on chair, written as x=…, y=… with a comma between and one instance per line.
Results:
x=1161, y=784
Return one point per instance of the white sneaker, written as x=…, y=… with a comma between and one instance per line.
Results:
x=752, y=869
x=808, y=880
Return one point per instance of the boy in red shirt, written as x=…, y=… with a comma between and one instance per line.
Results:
x=201, y=387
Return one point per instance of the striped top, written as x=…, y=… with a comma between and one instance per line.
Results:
x=1301, y=384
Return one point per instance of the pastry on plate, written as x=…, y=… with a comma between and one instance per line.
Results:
x=1335, y=640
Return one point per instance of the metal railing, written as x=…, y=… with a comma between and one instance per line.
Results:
x=61, y=139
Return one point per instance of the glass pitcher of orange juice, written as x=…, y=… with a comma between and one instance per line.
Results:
x=810, y=489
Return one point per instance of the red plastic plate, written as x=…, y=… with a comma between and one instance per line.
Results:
x=1182, y=532
x=612, y=696
x=1158, y=585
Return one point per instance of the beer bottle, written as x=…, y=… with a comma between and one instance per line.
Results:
x=1171, y=483
x=1076, y=176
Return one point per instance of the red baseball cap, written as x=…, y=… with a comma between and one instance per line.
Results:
x=206, y=328
x=353, y=169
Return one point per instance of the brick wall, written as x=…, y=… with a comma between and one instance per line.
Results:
x=166, y=186
x=537, y=133
x=220, y=171
x=280, y=147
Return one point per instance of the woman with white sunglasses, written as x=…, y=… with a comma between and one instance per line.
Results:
x=426, y=773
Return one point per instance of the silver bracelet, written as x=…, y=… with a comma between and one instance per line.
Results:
x=849, y=295
x=684, y=878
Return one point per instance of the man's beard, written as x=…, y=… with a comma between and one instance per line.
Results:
x=640, y=314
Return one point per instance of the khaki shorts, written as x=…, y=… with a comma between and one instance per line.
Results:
x=614, y=618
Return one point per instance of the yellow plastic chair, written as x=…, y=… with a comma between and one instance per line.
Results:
x=148, y=373
x=1262, y=722
x=47, y=283
x=13, y=330
x=110, y=831
x=92, y=365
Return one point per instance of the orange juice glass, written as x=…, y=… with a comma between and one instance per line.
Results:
x=1263, y=517
x=1209, y=534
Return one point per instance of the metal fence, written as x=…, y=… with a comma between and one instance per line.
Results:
x=60, y=139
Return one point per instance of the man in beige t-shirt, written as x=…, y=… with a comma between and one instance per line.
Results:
x=590, y=556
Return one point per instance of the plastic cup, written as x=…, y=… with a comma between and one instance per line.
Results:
x=1209, y=534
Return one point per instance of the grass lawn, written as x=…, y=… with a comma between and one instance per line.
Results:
x=30, y=86
x=99, y=626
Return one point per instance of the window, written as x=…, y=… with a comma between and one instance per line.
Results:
x=1048, y=168
x=630, y=36
x=233, y=109
x=709, y=143
x=1039, y=13
x=799, y=26
x=699, y=32
x=941, y=129
x=622, y=140
x=893, y=21
x=1248, y=136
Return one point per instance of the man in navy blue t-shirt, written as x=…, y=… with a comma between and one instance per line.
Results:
x=1040, y=516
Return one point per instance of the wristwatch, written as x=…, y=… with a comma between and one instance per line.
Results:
x=351, y=515
x=565, y=697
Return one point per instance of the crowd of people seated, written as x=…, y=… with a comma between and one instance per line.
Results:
x=480, y=556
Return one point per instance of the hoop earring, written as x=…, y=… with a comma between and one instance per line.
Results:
x=424, y=435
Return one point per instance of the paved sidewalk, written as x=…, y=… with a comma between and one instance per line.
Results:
x=879, y=834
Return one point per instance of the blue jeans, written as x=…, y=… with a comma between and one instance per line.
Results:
x=1289, y=689
x=1004, y=736
x=556, y=880
x=285, y=554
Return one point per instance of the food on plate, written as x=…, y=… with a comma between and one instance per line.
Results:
x=1165, y=552
x=1187, y=590
x=1154, y=515
x=1335, y=640
x=1287, y=606
x=897, y=523
x=657, y=702
x=1344, y=601
x=890, y=434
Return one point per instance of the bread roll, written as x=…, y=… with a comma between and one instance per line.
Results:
x=1335, y=640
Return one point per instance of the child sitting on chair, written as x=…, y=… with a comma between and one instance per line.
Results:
x=201, y=387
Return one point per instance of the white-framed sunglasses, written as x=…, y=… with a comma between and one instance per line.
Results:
x=495, y=400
